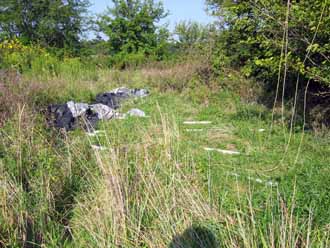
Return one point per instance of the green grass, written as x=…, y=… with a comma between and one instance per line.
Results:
x=156, y=186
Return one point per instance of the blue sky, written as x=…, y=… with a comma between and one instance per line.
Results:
x=179, y=10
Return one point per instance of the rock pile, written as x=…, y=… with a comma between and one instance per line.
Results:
x=70, y=115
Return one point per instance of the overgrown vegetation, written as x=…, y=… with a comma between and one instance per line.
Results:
x=283, y=44
x=160, y=183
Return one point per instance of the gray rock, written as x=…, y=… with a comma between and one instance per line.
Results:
x=136, y=112
x=126, y=92
x=103, y=111
x=77, y=109
x=122, y=92
x=68, y=115
x=140, y=92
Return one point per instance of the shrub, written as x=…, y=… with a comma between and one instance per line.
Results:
x=16, y=55
x=124, y=60
x=263, y=38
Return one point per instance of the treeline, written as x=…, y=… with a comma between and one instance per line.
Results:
x=283, y=44
x=127, y=33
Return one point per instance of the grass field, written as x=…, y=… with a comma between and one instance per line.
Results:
x=156, y=185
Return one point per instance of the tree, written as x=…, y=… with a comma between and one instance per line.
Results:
x=189, y=33
x=54, y=23
x=255, y=34
x=131, y=26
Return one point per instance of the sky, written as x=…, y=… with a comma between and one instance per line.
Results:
x=179, y=10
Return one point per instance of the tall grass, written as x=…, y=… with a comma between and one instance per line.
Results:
x=146, y=190
x=143, y=197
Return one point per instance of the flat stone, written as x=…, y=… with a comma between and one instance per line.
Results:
x=136, y=112
x=197, y=122
x=229, y=152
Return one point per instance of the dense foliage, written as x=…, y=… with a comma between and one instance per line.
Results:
x=192, y=34
x=261, y=35
x=21, y=57
x=131, y=27
x=56, y=23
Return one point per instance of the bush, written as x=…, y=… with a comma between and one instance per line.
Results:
x=124, y=60
x=16, y=55
x=254, y=37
